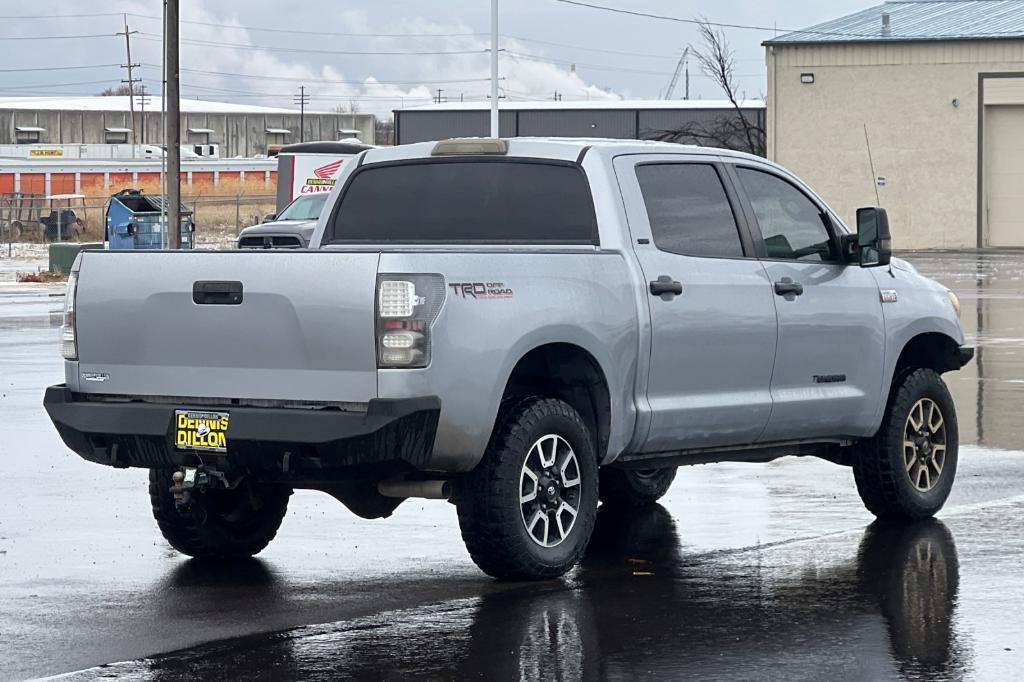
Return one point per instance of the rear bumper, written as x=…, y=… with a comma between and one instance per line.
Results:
x=296, y=441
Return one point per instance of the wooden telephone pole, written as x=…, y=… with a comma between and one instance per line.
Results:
x=173, y=150
x=131, y=81
x=302, y=99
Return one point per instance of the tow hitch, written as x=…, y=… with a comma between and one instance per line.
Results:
x=189, y=479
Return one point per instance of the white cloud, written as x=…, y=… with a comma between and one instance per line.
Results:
x=459, y=76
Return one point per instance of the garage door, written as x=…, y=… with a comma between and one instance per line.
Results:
x=1004, y=175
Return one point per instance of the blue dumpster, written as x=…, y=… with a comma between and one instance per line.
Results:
x=133, y=221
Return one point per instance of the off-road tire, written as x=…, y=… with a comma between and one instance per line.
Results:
x=488, y=498
x=207, y=529
x=634, y=488
x=879, y=467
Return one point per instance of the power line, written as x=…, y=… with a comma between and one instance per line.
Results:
x=53, y=37
x=317, y=33
x=60, y=16
x=599, y=67
x=593, y=49
x=59, y=68
x=291, y=79
x=281, y=95
x=607, y=67
x=245, y=46
x=695, y=22
x=106, y=81
x=720, y=24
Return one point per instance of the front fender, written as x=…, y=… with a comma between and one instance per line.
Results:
x=922, y=307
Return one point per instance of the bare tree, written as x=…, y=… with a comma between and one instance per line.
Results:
x=352, y=107
x=717, y=61
x=384, y=131
x=121, y=90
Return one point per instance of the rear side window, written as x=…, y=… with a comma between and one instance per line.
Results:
x=467, y=201
x=688, y=210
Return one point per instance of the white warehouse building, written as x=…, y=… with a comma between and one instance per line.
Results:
x=936, y=89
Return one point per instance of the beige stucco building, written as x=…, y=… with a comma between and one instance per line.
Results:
x=938, y=90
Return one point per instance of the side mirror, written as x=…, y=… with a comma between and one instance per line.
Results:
x=874, y=242
x=269, y=217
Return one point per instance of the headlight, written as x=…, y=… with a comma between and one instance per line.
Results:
x=955, y=300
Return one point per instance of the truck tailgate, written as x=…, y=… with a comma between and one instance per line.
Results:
x=303, y=331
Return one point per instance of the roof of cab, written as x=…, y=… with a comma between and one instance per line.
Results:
x=559, y=148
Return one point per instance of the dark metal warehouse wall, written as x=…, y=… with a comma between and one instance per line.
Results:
x=423, y=126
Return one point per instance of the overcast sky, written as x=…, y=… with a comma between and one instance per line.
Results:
x=615, y=55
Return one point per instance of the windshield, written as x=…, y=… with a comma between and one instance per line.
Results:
x=306, y=207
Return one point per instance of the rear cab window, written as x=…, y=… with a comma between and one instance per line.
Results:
x=466, y=200
x=688, y=210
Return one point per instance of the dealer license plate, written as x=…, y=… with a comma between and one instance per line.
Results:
x=201, y=430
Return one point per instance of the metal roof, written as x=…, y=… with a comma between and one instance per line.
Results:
x=591, y=105
x=915, y=20
x=120, y=103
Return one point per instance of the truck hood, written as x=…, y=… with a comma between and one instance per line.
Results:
x=904, y=265
x=303, y=228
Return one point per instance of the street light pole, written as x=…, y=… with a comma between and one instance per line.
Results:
x=494, y=69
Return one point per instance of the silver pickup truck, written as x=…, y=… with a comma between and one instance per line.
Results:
x=523, y=327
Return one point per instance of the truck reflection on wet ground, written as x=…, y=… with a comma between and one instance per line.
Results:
x=868, y=605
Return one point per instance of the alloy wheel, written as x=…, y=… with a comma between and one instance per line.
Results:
x=550, y=490
x=924, y=444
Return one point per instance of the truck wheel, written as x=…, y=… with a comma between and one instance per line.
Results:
x=224, y=524
x=906, y=471
x=528, y=509
x=635, y=487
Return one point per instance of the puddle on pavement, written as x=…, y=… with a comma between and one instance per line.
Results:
x=874, y=604
x=989, y=392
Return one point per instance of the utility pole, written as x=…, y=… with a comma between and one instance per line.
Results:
x=302, y=99
x=439, y=93
x=173, y=129
x=142, y=115
x=131, y=82
x=163, y=126
x=494, y=69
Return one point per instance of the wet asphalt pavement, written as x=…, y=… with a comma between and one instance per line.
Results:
x=743, y=572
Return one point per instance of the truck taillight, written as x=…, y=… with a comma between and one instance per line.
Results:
x=407, y=306
x=68, y=341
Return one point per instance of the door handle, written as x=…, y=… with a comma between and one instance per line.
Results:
x=786, y=286
x=666, y=287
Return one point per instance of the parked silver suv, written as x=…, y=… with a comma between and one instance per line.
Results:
x=522, y=327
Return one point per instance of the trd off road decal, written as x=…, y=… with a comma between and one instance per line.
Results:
x=481, y=289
